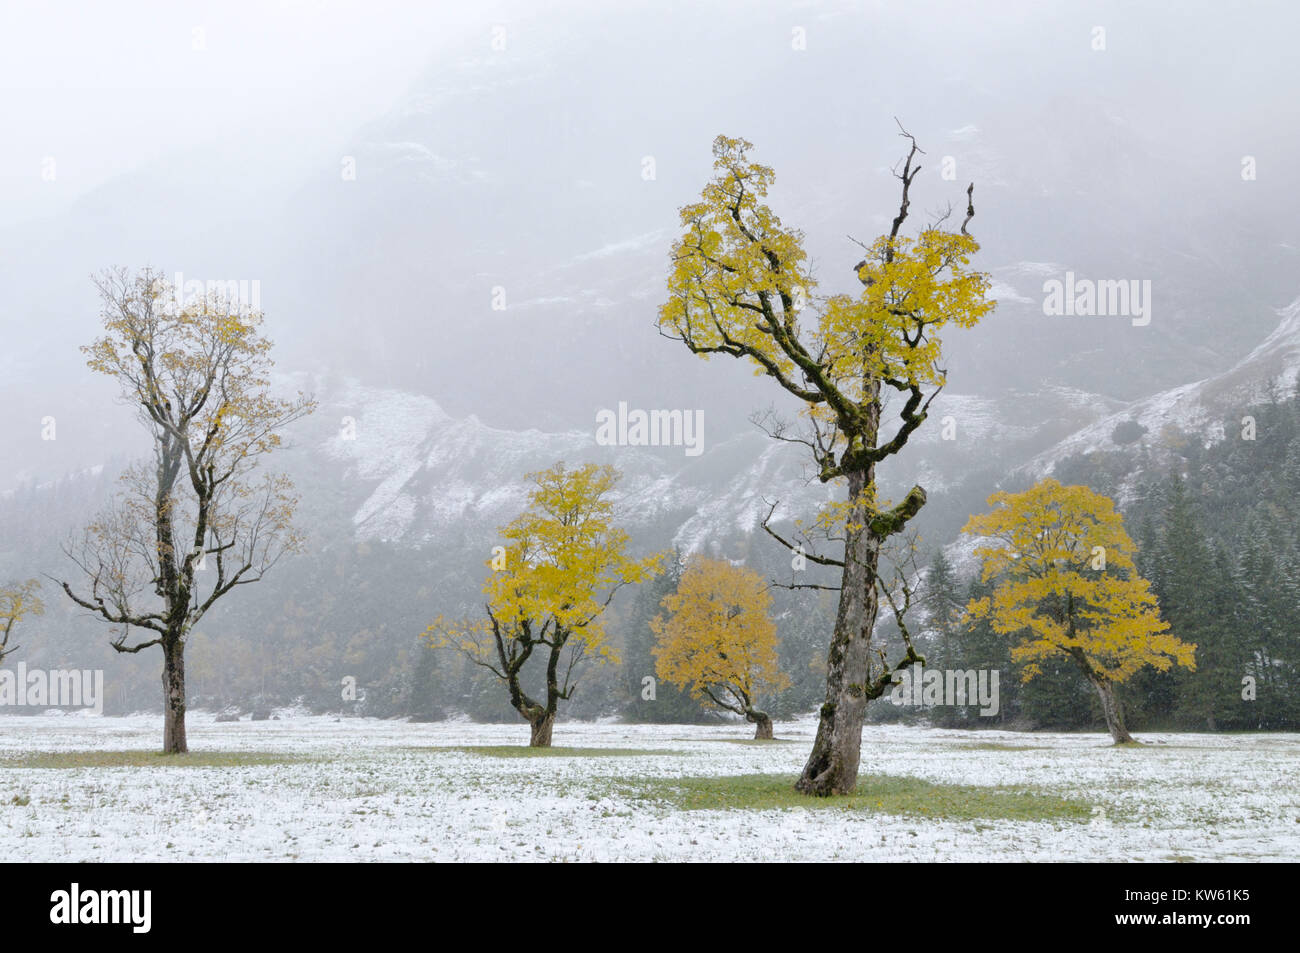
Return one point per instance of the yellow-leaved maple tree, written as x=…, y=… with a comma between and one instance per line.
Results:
x=1066, y=585
x=718, y=641
x=741, y=286
x=562, y=562
x=199, y=518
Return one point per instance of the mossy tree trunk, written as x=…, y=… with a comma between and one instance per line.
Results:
x=832, y=767
x=173, y=685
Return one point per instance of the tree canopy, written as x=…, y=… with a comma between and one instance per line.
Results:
x=718, y=640
x=562, y=562
x=1065, y=584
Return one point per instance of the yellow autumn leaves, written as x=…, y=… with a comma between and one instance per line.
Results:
x=914, y=287
x=201, y=369
x=17, y=602
x=562, y=561
x=1067, y=586
x=718, y=641
x=740, y=281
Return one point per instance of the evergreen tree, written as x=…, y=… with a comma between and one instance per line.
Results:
x=1189, y=593
x=941, y=601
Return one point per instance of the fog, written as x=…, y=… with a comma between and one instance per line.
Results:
x=211, y=141
x=457, y=218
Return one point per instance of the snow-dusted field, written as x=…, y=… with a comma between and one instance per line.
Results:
x=375, y=790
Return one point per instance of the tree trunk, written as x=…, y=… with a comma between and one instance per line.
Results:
x=1114, y=712
x=541, y=730
x=832, y=767
x=762, y=725
x=173, y=682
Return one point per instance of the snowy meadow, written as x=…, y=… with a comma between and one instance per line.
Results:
x=322, y=788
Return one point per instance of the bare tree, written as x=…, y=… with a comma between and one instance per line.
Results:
x=199, y=519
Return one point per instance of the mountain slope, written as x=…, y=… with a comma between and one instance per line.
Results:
x=1198, y=409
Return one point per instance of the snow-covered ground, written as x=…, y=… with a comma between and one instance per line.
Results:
x=376, y=790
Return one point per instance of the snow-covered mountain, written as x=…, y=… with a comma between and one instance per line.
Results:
x=1198, y=409
x=418, y=473
x=412, y=473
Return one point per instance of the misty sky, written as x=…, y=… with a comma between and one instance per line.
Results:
x=106, y=88
x=208, y=137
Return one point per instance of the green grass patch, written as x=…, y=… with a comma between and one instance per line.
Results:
x=147, y=759
x=994, y=746
x=877, y=794
x=524, y=751
x=756, y=742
